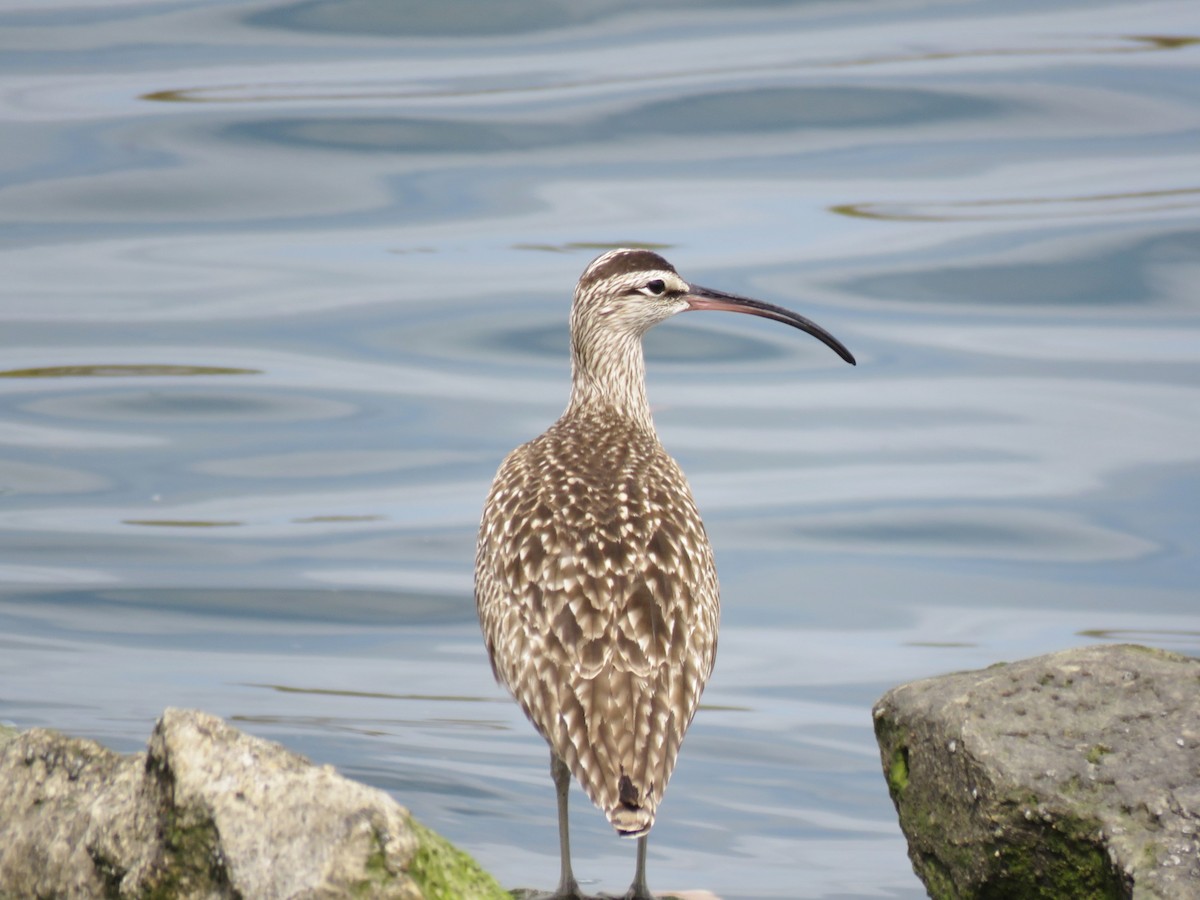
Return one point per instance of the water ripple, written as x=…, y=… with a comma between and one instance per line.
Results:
x=1009, y=533
x=186, y=406
x=1094, y=205
x=284, y=280
x=116, y=370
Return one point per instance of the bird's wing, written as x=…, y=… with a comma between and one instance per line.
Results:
x=599, y=603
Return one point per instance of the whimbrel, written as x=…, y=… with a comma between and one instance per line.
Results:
x=594, y=578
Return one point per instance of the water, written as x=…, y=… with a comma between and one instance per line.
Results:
x=282, y=282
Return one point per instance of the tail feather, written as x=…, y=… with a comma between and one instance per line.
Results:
x=631, y=822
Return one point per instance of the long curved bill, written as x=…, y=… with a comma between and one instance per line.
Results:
x=702, y=298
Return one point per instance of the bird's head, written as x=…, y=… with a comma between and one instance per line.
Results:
x=624, y=293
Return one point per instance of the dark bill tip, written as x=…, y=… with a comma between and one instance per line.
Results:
x=703, y=298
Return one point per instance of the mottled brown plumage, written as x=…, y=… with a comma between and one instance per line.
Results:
x=601, y=606
x=594, y=579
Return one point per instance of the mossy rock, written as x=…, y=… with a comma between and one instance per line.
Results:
x=1068, y=775
x=443, y=872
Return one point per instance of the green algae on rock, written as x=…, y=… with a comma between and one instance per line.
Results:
x=209, y=812
x=1069, y=775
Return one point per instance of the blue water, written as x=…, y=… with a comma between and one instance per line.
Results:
x=281, y=283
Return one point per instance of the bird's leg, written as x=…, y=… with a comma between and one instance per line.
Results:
x=568, y=887
x=638, y=890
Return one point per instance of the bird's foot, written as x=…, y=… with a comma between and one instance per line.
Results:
x=577, y=894
x=568, y=892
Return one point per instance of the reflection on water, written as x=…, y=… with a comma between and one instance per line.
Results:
x=278, y=298
x=188, y=406
x=1010, y=534
x=1170, y=639
x=119, y=371
x=1176, y=199
x=1141, y=271
x=761, y=111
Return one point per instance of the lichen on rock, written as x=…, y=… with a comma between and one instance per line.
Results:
x=207, y=812
x=1071, y=775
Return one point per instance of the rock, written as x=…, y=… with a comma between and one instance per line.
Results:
x=209, y=812
x=59, y=797
x=1070, y=775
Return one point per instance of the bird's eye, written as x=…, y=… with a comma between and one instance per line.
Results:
x=656, y=287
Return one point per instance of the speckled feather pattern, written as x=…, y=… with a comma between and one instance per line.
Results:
x=594, y=579
x=598, y=598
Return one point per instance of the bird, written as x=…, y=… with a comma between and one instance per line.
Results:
x=595, y=582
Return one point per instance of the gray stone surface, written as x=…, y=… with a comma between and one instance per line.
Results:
x=208, y=812
x=1073, y=775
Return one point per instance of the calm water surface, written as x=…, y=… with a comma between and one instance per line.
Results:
x=281, y=282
